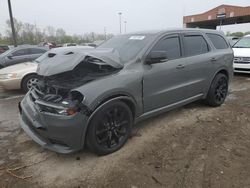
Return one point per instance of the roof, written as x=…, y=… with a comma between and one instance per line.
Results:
x=29, y=46
x=170, y=30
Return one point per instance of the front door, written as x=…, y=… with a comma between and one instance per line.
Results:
x=164, y=83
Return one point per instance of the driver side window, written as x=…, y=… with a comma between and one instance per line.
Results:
x=171, y=46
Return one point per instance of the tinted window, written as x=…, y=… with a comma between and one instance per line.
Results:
x=218, y=41
x=171, y=46
x=21, y=52
x=194, y=45
x=37, y=51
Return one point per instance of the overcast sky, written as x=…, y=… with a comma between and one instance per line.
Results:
x=80, y=16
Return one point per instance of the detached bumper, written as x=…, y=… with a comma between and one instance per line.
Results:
x=62, y=134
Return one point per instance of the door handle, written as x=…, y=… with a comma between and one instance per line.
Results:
x=180, y=66
x=213, y=59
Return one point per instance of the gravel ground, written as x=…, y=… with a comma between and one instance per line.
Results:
x=193, y=146
x=10, y=94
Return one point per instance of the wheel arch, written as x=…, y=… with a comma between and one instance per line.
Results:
x=210, y=96
x=128, y=100
x=222, y=70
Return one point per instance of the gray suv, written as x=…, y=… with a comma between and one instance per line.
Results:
x=20, y=54
x=94, y=96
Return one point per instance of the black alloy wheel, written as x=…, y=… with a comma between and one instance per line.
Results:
x=221, y=90
x=218, y=90
x=109, y=128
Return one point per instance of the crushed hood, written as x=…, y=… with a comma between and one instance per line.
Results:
x=59, y=60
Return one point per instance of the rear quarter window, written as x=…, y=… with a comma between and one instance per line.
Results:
x=218, y=41
x=37, y=51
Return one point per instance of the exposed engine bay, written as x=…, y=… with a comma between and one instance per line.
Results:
x=56, y=89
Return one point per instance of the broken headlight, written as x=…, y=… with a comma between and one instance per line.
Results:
x=67, y=112
x=72, y=105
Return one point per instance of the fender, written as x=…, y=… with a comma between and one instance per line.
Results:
x=99, y=107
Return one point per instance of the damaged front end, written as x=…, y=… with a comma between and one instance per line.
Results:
x=53, y=113
x=59, y=89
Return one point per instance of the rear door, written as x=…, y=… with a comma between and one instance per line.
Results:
x=223, y=52
x=199, y=62
x=165, y=83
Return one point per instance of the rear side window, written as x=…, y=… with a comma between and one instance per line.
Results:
x=21, y=52
x=37, y=51
x=195, y=45
x=218, y=41
x=171, y=46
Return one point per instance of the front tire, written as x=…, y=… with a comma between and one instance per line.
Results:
x=29, y=81
x=218, y=90
x=110, y=127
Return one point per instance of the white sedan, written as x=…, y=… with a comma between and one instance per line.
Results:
x=242, y=55
x=19, y=76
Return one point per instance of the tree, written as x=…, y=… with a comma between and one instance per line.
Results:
x=60, y=34
x=228, y=33
x=237, y=34
x=18, y=27
x=50, y=31
x=30, y=34
x=247, y=33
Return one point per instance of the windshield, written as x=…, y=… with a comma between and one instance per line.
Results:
x=243, y=43
x=128, y=46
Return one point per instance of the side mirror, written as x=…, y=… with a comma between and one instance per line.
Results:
x=157, y=57
x=10, y=56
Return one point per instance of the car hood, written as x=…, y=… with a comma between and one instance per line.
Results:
x=18, y=67
x=241, y=52
x=59, y=60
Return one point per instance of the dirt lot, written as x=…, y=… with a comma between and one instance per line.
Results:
x=194, y=146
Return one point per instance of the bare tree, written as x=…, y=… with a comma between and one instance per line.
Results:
x=30, y=34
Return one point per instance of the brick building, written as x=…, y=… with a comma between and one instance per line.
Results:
x=221, y=15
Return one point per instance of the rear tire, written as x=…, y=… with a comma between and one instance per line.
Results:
x=218, y=90
x=110, y=128
x=28, y=81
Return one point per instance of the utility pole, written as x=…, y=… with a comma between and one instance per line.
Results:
x=125, y=26
x=12, y=24
x=220, y=24
x=120, y=20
